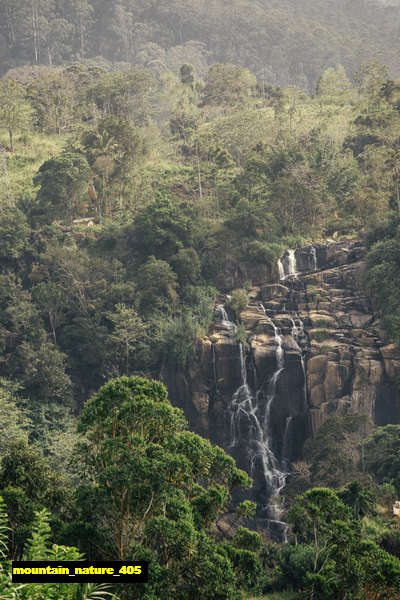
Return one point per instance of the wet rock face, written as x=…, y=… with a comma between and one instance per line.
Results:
x=336, y=360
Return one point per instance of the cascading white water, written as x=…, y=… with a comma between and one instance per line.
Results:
x=224, y=319
x=292, y=264
x=287, y=265
x=281, y=270
x=275, y=477
x=245, y=405
x=299, y=335
x=250, y=423
x=314, y=259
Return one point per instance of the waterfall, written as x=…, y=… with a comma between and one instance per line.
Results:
x=314, y=259
x=281, y=270
x=298, y=333
x=292, y=263
x=224, y=319
x=287, y=265
x=253, y=411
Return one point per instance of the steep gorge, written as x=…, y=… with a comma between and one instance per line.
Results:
x=314, y=349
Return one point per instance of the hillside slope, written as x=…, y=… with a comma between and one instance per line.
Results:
x=285, y=42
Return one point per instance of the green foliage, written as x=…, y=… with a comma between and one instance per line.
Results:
x=179, y=336
x=62, y=181
x=15, y=112
x=333, y=561
x=383, y=278
x=320, y=335
x=113, y=149
x=241, y=335
x=158, y=284
x=334, y=453
x=360, y=498
x=238, y=301
x=14, y=422
x=129, y=331
x=14, y=234
x=130, y=427
x=27, y=484
x=123, y=94
x=162, y=229
x=39, y=548
x=382, y=455
x=228, y=84
x=186, y=264
x=191, y=185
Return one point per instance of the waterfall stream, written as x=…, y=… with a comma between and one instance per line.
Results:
x=255, y=411
x=250, y=409
x=292, y=263
x=281, y=270
x=290, y=266
x=314, y=259
x=287, y=266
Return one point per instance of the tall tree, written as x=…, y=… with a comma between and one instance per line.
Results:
x=15, y=111
x=155, y=487
x=62, y=182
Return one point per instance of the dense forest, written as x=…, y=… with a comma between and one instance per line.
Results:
x=157, y=159
x=283, y=42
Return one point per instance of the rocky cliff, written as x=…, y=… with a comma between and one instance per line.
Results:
x=314, y=348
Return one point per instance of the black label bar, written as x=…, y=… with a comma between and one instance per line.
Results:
x=27, y=571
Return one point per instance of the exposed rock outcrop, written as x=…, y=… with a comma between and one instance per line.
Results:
x=336, y=361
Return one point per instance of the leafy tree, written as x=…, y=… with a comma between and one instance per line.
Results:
x=186, y=264
x=128, y=332
x=334, y=453
x=333, y=85
x=228, y=84
x=53, y=98
x=382, y=454
x=28, y=484
x=112, y=149
x=158, y=284
x=14, y=234
x=359, y=497
x=186, y=73
x=49, y=297
x=238, y=301
x=15, y=112
x=32, y=360
x=131, y=428
x=163, y=229
x=124, y=94
x=338, y=563
x=370, y=78
x=62, y=181
x=383, y=278
x=14, y=422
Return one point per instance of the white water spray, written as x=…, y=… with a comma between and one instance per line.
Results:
x=281, y=270
x=224, y=319
x=292, y=263
x=314, y=259
x=287, y=265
